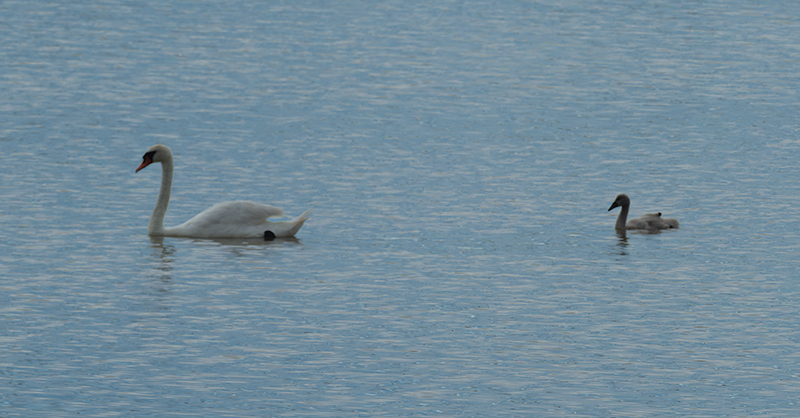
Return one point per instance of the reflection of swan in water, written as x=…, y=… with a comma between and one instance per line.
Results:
x=234, y=219
x=250, y=242
x=162, y=256
x=649, y=221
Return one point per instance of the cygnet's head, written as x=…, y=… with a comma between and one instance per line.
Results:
x=621, y=200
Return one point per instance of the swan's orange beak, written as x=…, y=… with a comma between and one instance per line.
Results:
x=145, y=162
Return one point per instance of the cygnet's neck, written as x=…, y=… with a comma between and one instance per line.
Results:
x=156, y=225
x=621, y=219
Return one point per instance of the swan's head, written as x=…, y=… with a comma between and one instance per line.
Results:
x=156, y=154
x=621, y=200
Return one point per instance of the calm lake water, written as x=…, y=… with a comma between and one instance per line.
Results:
x=460, y=157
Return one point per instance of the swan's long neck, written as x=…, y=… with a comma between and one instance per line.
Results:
x=621, y=219
x=156, y=225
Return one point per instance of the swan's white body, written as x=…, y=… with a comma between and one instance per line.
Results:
x=648, y=221
x=235, y=219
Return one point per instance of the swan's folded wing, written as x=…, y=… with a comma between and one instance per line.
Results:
x=244, y=212
x=236, y=214
x=255, y=212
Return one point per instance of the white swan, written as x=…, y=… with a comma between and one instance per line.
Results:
x=235, y=219
x=648, y=221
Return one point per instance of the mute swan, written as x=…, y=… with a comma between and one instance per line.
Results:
x=235, y=219
x=648, y=221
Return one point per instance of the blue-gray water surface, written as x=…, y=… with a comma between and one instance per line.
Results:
x=460, y=158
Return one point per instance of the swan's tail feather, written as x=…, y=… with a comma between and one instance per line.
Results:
x=303, y=217
x=298, y=222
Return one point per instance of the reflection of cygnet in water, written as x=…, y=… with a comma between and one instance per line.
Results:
x=648, y=221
